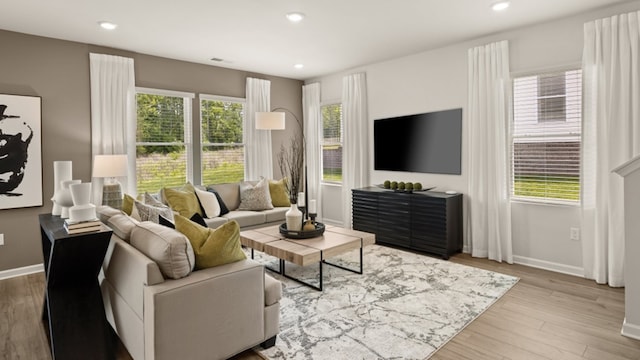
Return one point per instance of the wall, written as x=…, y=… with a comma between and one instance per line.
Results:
x=437, y=80
x=58, y=72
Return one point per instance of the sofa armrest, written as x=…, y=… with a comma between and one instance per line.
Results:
x=210, y=314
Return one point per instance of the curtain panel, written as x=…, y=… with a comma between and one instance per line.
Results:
x=489, y=231
x=113, y=114
x=313, y=132
x=355, y=157
x=258, y=152
x=610, y=137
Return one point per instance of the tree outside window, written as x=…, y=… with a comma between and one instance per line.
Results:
x=331, y=143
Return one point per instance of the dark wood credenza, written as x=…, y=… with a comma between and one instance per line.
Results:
x=426, y=221
x=73, y=307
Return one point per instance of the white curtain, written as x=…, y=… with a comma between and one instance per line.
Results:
x=355, y=149
x=312, y=133
x=258, y=153
x=113, y=114
x=488, y=118
x=610, y=137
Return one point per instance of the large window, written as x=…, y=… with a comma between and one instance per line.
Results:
x=331, y=143
x=222, y=141
x=546, y=136
x=163, y=139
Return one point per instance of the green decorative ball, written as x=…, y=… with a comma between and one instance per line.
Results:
x=394, y=185
x=417, y=186
x=401, y=185
x=387, y=184
x=408, y=186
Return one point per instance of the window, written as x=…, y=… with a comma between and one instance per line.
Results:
x=331, y=143
x=222, y=139
x=163, y=139
x=546, y=136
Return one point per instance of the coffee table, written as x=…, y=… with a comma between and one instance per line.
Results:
x=305, y=252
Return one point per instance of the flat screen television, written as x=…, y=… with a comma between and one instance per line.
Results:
x=424, y=143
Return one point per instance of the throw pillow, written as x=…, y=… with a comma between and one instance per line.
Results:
x=209, y=203
x=151, y=212
x=165, y=222
x=127, y=204
x=122, y=225
x=256, y=197
x=151, y=200
x=184, y=202
x=170, y=249
x=278, y=192
x=212, y=247
x=223, y=207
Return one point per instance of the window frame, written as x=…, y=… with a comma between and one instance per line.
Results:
x=537, y=73
x=187, y=98
x=209, y=97
x=322, y=142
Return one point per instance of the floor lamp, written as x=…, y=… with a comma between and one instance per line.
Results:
x=110, y=167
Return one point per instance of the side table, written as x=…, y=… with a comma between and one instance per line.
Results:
x=73, y=306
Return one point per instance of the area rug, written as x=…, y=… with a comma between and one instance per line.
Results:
x=404, y=306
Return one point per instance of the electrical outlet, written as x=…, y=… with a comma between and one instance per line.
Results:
x=1, y=239
x=575, y=234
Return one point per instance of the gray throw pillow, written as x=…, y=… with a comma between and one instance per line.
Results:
x=151, y=212
x=255, y=197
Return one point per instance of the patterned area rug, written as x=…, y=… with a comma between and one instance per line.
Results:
x=404, y=306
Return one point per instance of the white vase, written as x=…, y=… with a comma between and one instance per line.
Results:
x=61, y=172
x=82, y=209
x=293, y=218
x=63, y=197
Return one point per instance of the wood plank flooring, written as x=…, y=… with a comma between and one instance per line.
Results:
x=545, y=316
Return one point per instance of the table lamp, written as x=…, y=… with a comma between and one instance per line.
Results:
x=110, y=167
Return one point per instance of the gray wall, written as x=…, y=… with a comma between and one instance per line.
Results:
x=437, y=80
x=58, y=72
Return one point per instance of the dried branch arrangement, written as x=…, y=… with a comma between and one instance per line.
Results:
x=291, y=163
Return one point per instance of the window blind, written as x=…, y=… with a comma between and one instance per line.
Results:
x=331, y=142
x=222, y=140
x=546, y=136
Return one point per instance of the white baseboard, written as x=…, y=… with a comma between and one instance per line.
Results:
x=26, y=270
x=548, y=265
x=332, y=222
x=630, y=330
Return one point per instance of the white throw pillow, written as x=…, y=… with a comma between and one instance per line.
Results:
x=209, y=203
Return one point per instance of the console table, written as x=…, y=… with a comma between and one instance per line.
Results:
x=426, y=221
x=73, y=306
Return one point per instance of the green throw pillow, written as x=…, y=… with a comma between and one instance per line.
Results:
x=127, y=204
x=279, y=196
x=213, y=247
x=183, y=201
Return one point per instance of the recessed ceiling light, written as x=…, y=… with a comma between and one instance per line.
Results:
x=499, y=6
x=107, y=25
x=298, y=66
x=295, y=17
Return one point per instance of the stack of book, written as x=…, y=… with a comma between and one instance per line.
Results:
x=76, y=227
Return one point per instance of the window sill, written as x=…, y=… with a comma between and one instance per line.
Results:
x=327, y=183
x=560, y=203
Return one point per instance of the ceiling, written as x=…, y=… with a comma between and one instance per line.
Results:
x=254, y=35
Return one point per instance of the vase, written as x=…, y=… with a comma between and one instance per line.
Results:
x=61, y=172
x=82, y=209
x=293, y=218
x=63, y=197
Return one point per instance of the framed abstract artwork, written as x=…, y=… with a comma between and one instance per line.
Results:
x=20, y=151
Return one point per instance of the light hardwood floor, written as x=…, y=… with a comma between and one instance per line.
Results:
x=545, y=316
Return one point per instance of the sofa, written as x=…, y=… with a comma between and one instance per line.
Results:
x=211, y=313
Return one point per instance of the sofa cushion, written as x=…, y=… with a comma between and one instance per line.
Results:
x=255, y=197
x=122, y=225
x=246, y=218
x=209, y=203
x=278, y=192
x=272, y=290
x=212, y=247
x=169, y=222
x=216, y=222
x=183, y=201
x=105, y=212
x=275, y=214
x=151, y=212
x=229, y=193
x=170, y=249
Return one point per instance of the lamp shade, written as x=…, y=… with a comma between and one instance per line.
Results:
x=270, y=121
x=105, y=166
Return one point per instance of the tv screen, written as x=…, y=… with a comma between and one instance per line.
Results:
x=425, y=143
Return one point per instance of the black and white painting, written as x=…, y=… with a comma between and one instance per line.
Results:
x=20, y=151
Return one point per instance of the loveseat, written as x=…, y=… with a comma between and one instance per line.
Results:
x=211, y=313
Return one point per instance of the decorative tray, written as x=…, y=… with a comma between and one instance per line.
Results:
x=299, y=234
